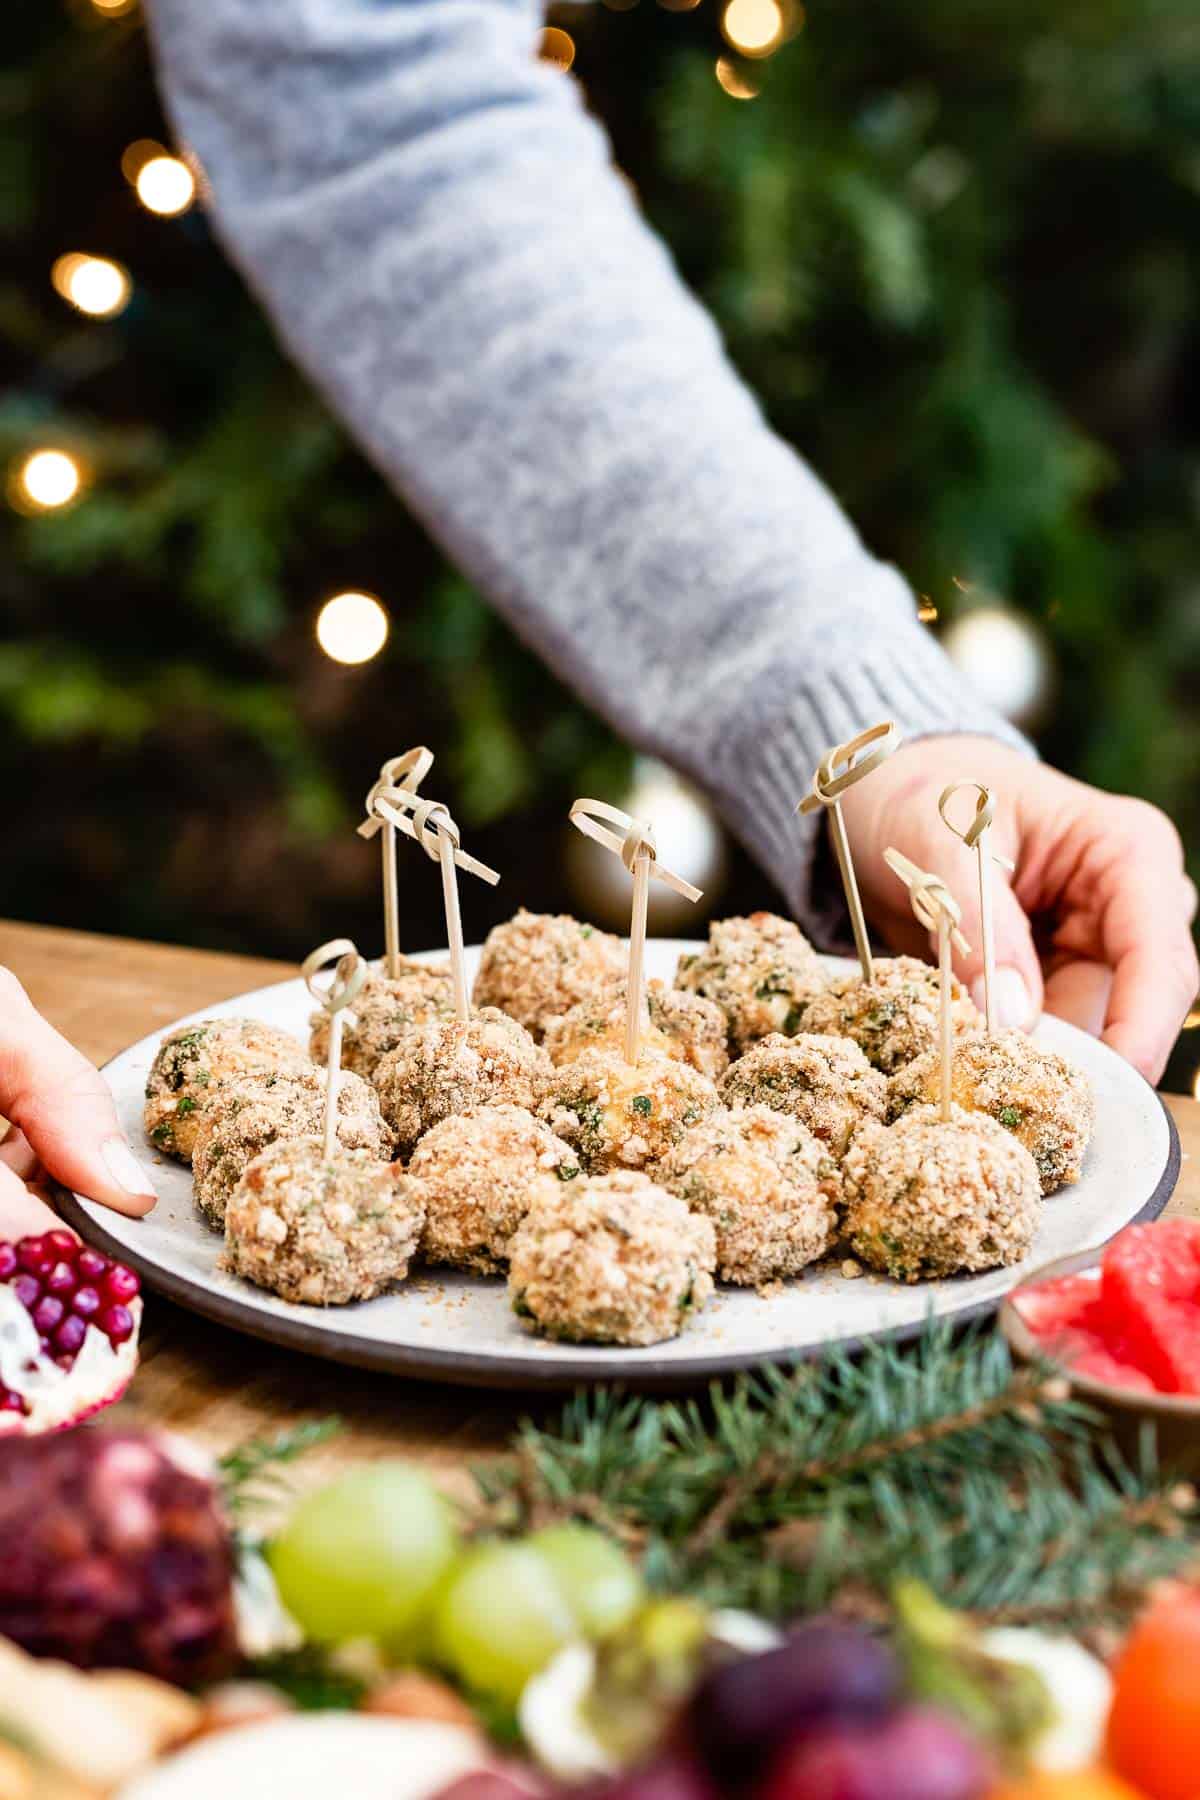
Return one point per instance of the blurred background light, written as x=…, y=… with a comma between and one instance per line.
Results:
x=755, y=27
x=556, y=46
x=92, y=284
x=48, y=478
x=735, y=83
x=114, y=9
x=352, y=628
x=165, y=186
x=135, y=156
x=1004, y=657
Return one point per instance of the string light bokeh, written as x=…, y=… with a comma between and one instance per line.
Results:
x=165, y=185
x=352, y=628
x=45, y=480
x=92, y=284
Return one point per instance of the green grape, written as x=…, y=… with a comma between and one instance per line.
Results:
x=363, y=1557
x=502, y=1618
x=598, y=1581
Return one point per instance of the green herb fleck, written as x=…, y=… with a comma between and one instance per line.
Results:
x=641, y=1103
x=1010, y=1115
x=567, y=1171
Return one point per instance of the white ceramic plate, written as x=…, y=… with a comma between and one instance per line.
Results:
x=454, y=1327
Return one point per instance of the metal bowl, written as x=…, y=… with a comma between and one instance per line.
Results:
x=1175, y=1417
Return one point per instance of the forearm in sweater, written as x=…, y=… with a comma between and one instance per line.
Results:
x=435, y=227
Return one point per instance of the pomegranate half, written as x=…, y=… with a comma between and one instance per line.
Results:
x=69, y=1319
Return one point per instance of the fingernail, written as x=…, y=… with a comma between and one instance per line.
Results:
x=125, y=1168
x=1010, y=995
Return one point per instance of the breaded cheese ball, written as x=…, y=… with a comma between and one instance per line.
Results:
x=924, y=1198
x=384, y=1009
x=444, y=1068
x=538, y=966
x=1036, y=1094
x=768, y=1185
x=245, y=1116
x=613, y=1259
x=825, y=1082
x=475, y=1173
x=318, y=1232
x=615, y=1115
x=191, y=1063
x=681, y=1025
x=893, y=1018
x=761, y=971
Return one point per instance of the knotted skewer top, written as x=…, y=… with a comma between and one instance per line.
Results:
x=985, y=814
x=430, y=825
x=333, y=997
x=633, y=842
x=405, y=773
x=832, y=778
x=635, y=839
x=932, y=902
x=345, y=983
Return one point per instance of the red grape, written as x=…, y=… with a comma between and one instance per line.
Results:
x=918, y=1754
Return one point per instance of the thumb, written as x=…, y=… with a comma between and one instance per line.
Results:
x=1016, y=980
x=65, y=1110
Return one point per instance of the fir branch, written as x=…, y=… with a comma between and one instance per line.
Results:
x=252, y=1473
x=794, y=1491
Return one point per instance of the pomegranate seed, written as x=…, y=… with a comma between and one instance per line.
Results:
x=62, y=1243
x=116, y=1322
x=48, y=1314
x=68, y=1339
x=62, y=1280
x=10, y=1402
x=91, y=1264
x=28, y=1290
x=86, y=1302
x=121, y=1284
x=44, y=1345
x=8, y=1260
x=31, y=1254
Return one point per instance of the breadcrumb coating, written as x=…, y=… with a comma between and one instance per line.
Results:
x=611, y=1259
x=321, y=1233
x=617, y=1116
x=768, y=1185
x=924, y=1199
x=384, y=1009
x=825, y=1082
x=476, y=1173
x=679, y=1024
x=245, y=1116
x=192, y=1062
x=893, y=1018
x=537, y=966
x=760, y=970
x=444, y=1068
x=1034, y=1093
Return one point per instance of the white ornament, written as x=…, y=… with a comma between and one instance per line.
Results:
x=1004, y=657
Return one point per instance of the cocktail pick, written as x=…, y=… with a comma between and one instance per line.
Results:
x=432, y=827
x=333, y=997
x=838, y=770
x=406, y=772
x=975, y=837
x=633, y=842
x=935, y=907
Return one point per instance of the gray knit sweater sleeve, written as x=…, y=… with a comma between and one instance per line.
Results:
x=436, y=229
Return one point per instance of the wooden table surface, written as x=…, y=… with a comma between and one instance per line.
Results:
x=214, y=1385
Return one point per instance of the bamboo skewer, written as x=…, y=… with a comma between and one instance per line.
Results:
x=405, y=772
x=935, y=907
x=431, y=826
x=976, y=837
x=349, y=973
x=633, y=842
x=838, y=770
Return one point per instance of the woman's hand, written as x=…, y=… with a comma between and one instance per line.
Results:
x=1095, y=925
x=66, y=1124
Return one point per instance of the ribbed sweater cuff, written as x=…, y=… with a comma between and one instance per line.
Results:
x=766, y=763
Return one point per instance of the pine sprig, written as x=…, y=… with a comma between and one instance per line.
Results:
x=813, y=1488
x=252, y=1474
